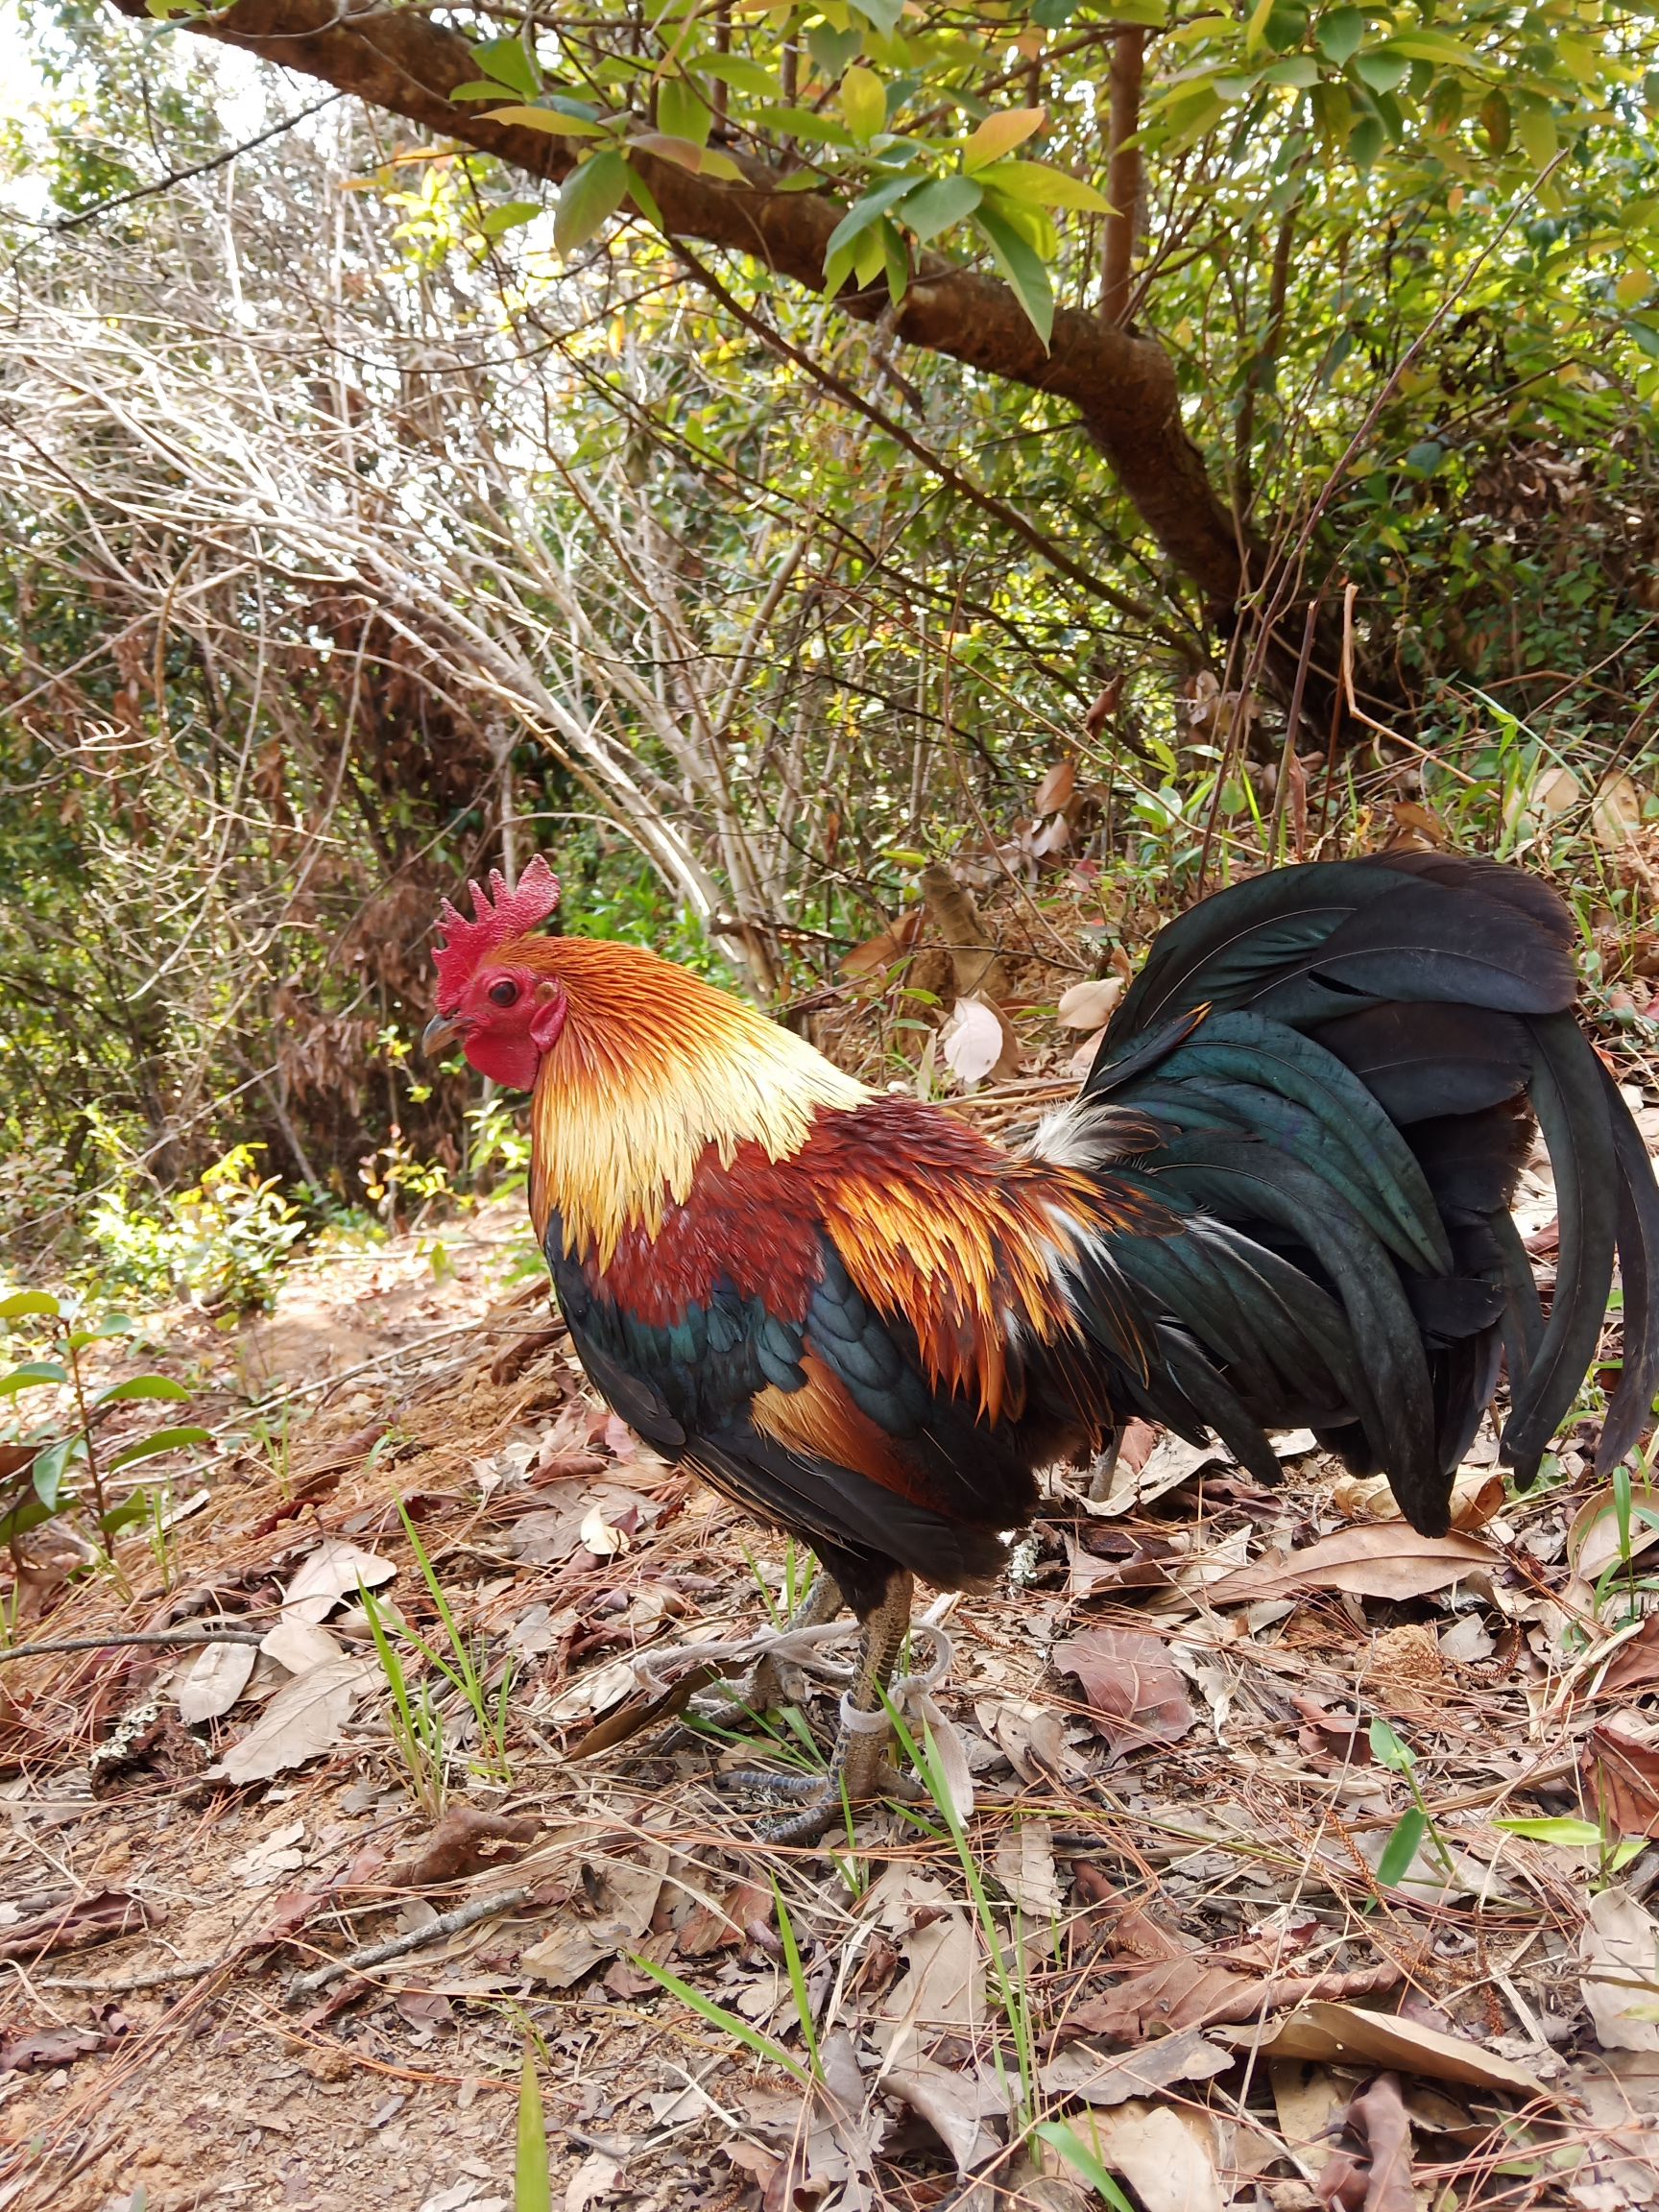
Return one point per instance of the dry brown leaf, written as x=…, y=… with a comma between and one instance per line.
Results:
x=955, y=2105
x=1620, y=1978
x=1056, y=789
x=303, y=1719
x=1332, y=2033
x=1592, y=1538
x=218, y=1677
x=1131, y=1684
x=877, y=954
x=944, y=1986
x=54, y=2047
x=1089, y=1006
x=1167, y=2158
x=1618, y=1774
x=332, y=1573
x=1375, y=2176
x=90, y=1919
x=714, y=1926
x=1024, y=1863
x=1099, y=2077
x=1382, y=1560
x=608, y=1912
x=299, y=1646
x=464, y=1840
x=1032, y=1737
x=595, y=2178
x=1179, y=1987
x=1635, y=1665
x=1105, y=702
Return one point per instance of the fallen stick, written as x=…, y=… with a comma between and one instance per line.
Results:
x=312, y=1985
x=203, y=1634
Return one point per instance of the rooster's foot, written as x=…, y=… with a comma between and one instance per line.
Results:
x=822, y=1801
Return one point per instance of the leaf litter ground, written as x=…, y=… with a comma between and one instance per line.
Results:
x=1234, y=1918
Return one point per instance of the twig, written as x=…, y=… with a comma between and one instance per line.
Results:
x=182, y=176
x=161, y=1636
x=181, y=1970
x=307, y=1986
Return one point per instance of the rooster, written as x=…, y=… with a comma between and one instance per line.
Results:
x=1280, y=1200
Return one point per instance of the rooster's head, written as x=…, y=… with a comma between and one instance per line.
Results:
x=495, y=992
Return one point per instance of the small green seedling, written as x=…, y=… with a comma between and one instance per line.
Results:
x=1613, y=1853
x=61, y=1465
x=1409, y=1832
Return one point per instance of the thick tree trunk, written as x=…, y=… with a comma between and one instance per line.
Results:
x=1122, y=385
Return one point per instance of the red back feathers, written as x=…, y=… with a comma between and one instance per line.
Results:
x=502, y=915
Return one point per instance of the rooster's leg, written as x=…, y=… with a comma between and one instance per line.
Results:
x=764, y=1689
x=858, y=1766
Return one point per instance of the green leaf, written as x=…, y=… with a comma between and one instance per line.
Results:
x=1077, y=2154
x=940, y=206
x=741, y=74
x=1000, y=134
x=555, y=121
x=837, y=268
x=1379, y=68
x=1299, y=70
x=645, y=199
x=1572, y=1834
x=532, y=2177
x=1337, y=34
x=142, y=1387
x=863, y=102
x=883, y=14
x=1388, y=1750
x=1433, y=46
x=28, y=1513
x=1022, y=268
x=1400, y=1848
x=682, y=112
x=159, y=1440
x=509, y=216
x=49, y=1469
x=1041, y=187
x=803, y=123
x=1366, y=141
x=588, y=198
x=23, y=1303
x=32, y=1375
x=896, y=261
x=1535, y=128
x=123, y=1516
x=509, y=63
x=863, y=212
x=832, y=49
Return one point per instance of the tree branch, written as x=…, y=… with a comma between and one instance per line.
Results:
x=1124, y=387
x=1123, y=177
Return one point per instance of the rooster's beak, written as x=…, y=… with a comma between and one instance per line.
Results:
x=441, y=1032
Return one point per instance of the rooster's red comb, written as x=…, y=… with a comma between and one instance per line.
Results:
x=502, y=915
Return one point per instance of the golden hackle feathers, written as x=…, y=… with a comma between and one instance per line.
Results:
x=653, y=1067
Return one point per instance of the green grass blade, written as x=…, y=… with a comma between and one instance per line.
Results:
x=1082, y=2161
x=717, y=2016
x=532, y=2180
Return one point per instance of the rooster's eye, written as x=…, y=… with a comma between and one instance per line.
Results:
x=503, y=994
